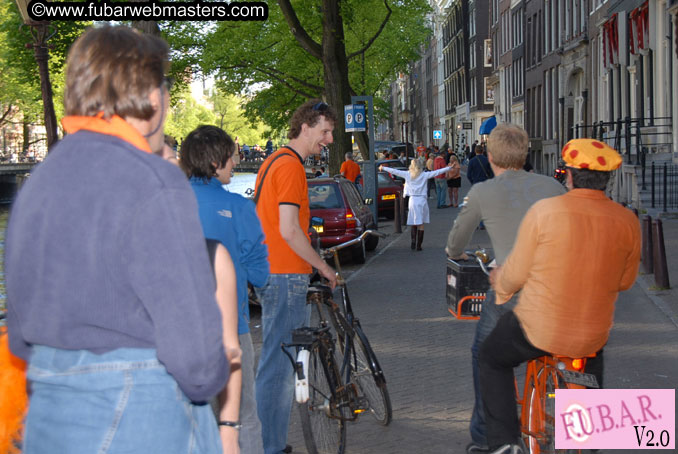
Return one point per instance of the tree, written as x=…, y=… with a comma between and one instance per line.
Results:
x=19, y=80
x=186, y=115
x=230, y=117
x=316, y=48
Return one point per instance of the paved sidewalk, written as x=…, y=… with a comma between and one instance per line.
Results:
x=399, y=296
x=665, y=299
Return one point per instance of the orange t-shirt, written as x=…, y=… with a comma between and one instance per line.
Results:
x=285, y=184
x=350, y=170
x=421, y=150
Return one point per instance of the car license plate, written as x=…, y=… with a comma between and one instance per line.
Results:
x=318, y=228
x=388, y=197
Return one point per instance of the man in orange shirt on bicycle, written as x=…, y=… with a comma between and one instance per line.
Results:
x=574, y=253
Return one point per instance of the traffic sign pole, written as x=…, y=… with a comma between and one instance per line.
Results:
x=369, y=168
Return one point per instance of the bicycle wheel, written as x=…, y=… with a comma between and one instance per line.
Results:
x=542, y=414
x=324, y=430
x=535, y=421
x=368, y=376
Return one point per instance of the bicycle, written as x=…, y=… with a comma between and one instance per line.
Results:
x=543, y=375
x=336, y=385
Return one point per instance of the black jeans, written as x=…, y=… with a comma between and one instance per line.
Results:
x=505, y=348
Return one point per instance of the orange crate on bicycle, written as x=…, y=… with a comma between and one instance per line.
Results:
x=466, y=290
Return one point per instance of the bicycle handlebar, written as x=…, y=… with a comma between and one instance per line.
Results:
x=482, y=258
x=329, y=252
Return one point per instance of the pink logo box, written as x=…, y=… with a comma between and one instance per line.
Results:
x=615, y=418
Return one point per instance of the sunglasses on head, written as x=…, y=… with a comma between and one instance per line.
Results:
x=320, y=107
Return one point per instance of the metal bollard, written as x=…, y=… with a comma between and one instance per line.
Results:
x=402, y=210
x=661, y=271
x=647, y=259
x=396, y=214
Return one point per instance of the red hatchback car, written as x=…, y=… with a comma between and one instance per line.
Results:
x=388, y=190
x=337, y=202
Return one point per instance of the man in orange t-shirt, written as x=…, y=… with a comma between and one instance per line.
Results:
x=421, y=150
x=282, y=206
x=349, y=168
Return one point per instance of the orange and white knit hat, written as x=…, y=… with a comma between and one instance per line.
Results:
x=591, y=154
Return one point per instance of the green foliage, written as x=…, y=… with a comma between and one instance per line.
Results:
x=186, y=115
x=263, y=61
x=20, y=79
x=225, y=111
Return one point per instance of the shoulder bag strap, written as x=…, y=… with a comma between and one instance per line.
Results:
x=484, y=169
x=257, y=192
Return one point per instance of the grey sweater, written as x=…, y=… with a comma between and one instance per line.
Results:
x=501, y=203
x=104, y=250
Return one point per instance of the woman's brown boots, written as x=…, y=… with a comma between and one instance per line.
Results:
x=413, y=229
x=420, y=238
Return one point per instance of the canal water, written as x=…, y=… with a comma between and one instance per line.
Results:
x=240, y=183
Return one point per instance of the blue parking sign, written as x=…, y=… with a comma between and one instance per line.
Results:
x=354, y=117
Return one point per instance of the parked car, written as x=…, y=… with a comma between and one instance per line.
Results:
x=344, y=214
x=387, y=194
x=389, y=147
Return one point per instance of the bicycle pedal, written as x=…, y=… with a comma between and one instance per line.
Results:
x=362, y=405
x=301, y=389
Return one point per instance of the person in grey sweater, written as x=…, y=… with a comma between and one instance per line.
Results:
x=111, y=297
x=500, y=202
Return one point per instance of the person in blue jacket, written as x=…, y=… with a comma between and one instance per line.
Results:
x=206, y=158
x=479, y=168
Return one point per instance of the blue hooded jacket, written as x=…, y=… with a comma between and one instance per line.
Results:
x=232, y=220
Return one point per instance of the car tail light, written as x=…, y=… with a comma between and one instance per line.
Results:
x=350, y=219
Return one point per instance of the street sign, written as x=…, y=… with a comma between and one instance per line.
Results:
x=467, y=125
x=354, y=117
x=437, y=134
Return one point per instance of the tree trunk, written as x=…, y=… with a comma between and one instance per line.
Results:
x=26, y=133
x=337, y=88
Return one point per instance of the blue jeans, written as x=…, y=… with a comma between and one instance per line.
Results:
x=488, y=320
x=250, y=439
x=283, y=308
x=441, y=191
x=120, y=401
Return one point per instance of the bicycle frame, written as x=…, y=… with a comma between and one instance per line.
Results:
x=353, y=322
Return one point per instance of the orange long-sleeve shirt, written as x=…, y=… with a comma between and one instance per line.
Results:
x=574, y=253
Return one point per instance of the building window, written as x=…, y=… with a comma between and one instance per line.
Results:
x=474, y=92
x=487, y=53
x=472, y=23
x=472, y=56
x=488, y=91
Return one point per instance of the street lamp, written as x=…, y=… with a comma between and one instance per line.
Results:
x=40, y=31
x=406, y=121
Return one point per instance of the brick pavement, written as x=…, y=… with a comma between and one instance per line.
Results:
x=425, y=353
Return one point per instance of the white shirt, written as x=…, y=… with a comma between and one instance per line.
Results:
x=417, y=186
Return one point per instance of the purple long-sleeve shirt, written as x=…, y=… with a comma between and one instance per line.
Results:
x=104, y=250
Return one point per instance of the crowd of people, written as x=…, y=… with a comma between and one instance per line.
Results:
x=135, y=315
x=136, y=328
